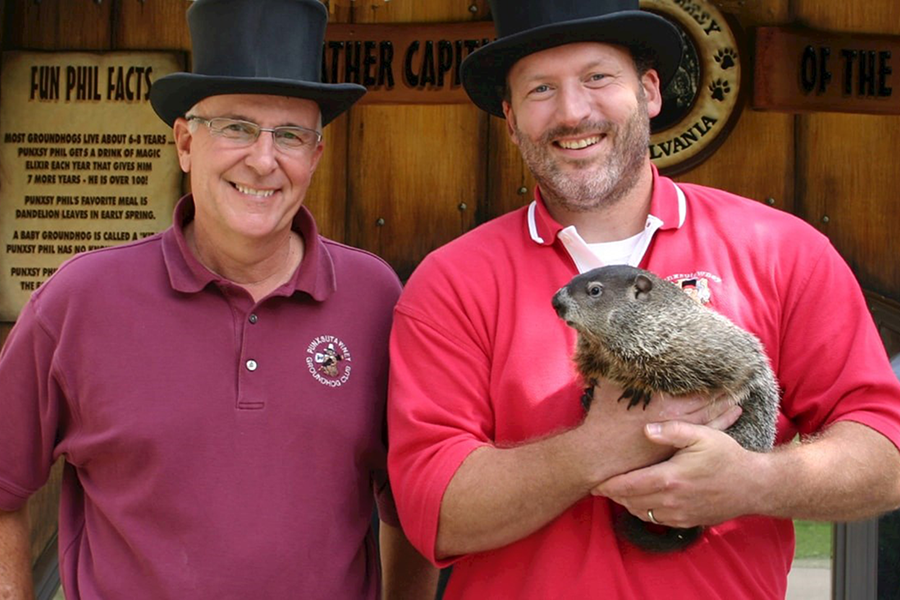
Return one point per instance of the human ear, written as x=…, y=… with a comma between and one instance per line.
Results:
x=650, y=84
x=183, y=139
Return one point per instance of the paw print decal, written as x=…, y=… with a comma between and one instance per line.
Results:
x=726, y=57
x=719, y=89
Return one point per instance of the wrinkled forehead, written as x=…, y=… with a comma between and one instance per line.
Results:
x=574, y=56
x=261, y=108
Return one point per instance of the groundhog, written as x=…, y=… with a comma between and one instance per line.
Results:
x=647, y=336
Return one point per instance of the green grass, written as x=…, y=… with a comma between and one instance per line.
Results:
x=813, y=539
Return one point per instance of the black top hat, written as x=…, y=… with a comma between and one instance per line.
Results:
x=528, y=26
x=254, y=47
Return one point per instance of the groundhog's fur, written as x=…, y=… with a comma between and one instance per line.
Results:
x=647, y=336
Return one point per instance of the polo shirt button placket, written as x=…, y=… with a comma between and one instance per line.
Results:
x=253, y=319
x=251, y=365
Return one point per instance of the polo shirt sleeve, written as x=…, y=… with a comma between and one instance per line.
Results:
x=30, y=401
x=439, y=408
x=834, y=366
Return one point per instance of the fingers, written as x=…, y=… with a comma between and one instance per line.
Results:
x=681, y=407
x=675, y=433
x=726, y=419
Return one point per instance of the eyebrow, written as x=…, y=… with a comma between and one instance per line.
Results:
x=600, y=63
x=241, y=117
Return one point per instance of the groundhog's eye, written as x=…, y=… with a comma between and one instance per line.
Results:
x=594, y=290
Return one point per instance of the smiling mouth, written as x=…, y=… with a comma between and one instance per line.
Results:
x=253, y=192
x=579, y=144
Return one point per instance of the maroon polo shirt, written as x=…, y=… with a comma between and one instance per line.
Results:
x=214, y=446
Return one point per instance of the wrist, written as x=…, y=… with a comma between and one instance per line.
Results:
x=760, y=489
x=598, y=456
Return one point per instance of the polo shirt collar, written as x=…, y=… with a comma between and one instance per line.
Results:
x=315, y=275
x=668, y=210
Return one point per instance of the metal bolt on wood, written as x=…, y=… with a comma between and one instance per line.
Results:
x=380, y=222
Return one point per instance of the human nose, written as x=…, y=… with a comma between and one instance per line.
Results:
x=574, y=105
x=261, y=153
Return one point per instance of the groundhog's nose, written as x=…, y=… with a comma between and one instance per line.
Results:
x=558, y=305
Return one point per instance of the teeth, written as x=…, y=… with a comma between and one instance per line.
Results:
x=578, y=144
x=252, y=192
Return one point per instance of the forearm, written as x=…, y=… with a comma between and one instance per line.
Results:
x=847, y=473
x=405, y=574
x=500, y=495
x=15, y=556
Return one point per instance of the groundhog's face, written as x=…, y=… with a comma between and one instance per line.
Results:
x=592, y=302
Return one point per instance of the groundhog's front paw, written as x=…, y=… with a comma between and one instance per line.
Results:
x=635, y=397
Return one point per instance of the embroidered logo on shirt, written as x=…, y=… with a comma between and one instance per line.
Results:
x=328, y=360
x=695, y=285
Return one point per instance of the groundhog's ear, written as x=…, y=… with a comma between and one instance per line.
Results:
x=643, y=284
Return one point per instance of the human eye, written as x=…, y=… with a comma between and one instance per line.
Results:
x=290, y=136
x=595, y=78
x=294, y=137
x=539, y=89
x=235, y=129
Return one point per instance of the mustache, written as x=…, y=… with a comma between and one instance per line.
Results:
x=583, y=128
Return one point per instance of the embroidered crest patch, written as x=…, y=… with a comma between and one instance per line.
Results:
x=328, y=360
x=695, y=285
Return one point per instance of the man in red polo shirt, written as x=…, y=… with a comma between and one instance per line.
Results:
x=216, y=391
x=495, y=467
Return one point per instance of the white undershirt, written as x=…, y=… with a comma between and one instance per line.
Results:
x=618, y=252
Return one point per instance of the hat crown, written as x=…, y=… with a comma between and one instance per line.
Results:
x=515, y=16
x=272, y=39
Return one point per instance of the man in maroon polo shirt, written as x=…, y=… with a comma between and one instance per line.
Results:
x=216, y=391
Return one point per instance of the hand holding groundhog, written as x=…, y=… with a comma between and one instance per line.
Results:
x=618, y=438
x=709, y=480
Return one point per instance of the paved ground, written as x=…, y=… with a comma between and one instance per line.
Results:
x=809, y=580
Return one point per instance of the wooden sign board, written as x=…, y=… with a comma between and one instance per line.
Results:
x=403, y=63
x=85, y=163
x=805, y=71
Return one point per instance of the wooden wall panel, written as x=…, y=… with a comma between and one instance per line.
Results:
x=756, y=161
x=154, y=25
x=846, y=173
x=326, y=197
x=510, y=185
x=58, y=25
x=411, y=168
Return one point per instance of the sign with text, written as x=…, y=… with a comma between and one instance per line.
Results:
x=803, y=71
x=403, y=63
x=85, y=163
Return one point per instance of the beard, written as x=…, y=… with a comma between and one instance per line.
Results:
x=599, y=181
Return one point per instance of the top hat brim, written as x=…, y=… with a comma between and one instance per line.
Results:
x=173, y=95
x=484, y=71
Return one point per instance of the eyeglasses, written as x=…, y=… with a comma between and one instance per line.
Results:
x=244, y=133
